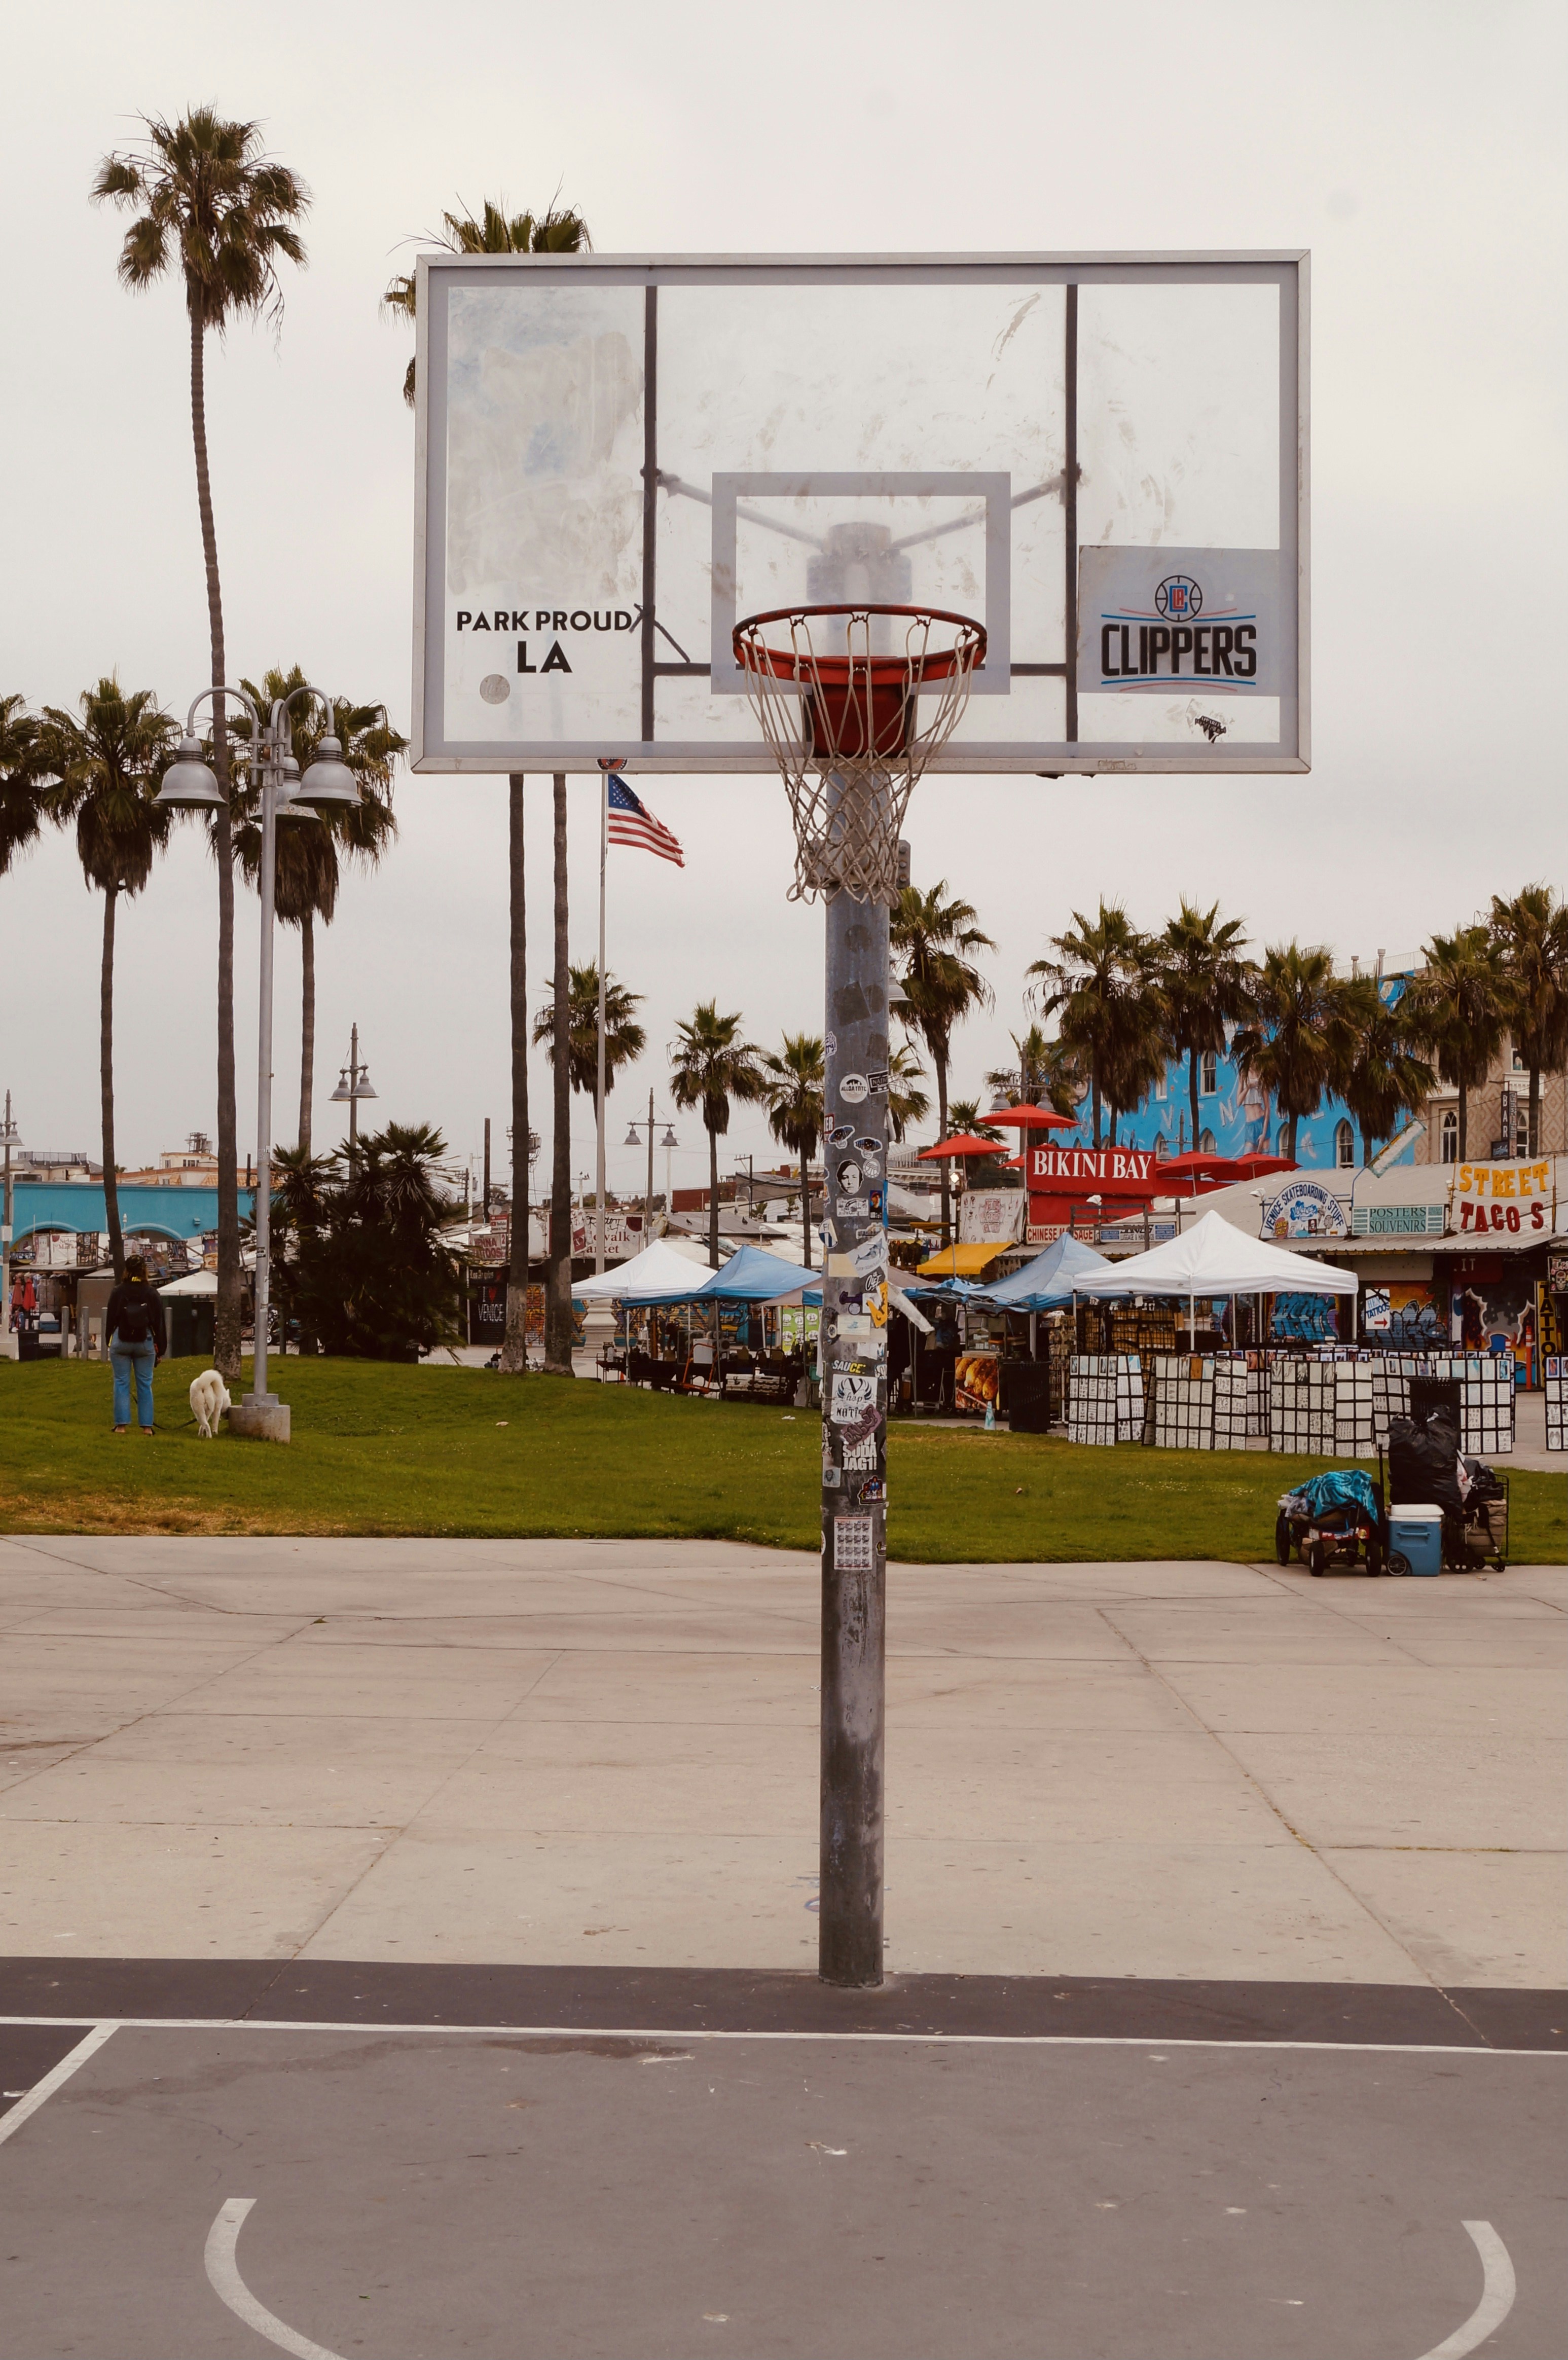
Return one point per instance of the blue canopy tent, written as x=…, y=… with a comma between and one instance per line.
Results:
x=750, y=1275
x=1047, y=1283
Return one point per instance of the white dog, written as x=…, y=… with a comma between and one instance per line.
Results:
x=209, y=1400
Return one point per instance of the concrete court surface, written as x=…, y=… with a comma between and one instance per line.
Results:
x=604, y=1752
x=338, y=2192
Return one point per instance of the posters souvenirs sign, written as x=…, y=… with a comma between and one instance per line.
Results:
x=1505, y=1199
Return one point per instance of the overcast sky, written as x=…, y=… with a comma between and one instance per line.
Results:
x=1413, y=145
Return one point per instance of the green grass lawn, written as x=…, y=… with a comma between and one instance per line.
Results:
x=382, y=1449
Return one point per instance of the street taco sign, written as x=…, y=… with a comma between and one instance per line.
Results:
x=1507, y=1198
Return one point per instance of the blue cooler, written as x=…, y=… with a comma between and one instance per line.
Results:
x=1416, y=1534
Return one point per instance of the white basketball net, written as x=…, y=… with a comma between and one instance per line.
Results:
x=854, y=702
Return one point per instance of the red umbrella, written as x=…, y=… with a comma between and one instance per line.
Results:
x=1033, y=1118
x=963, y=1142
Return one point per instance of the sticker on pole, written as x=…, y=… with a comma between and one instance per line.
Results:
x=854, y=1545
x=853, y=1089
x=853, y=1397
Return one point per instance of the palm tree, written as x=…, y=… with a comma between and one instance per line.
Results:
x=23, y=769
x=212, y=205
x=906, y=1102
x=1204, y=985
x=108, y=764
x=1382, y=1078
x=1046, y=1074
x=710, y=1064
x=309, y=857
x=1096, y=984
x=797, y=1078
x=1458, y=1007
x=934, y=939
x=558, y=230
x=1532, y=932
x=624, y=1039
x=1297, y=1042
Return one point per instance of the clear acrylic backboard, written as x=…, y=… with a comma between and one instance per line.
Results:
x=1101, y=458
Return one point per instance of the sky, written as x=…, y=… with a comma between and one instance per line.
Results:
x=1411, y=145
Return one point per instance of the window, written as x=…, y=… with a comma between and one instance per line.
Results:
x=1159, y=1089
x=1161, y=1148
x=1206, y=1143
x=1344, y=1146
x=1451, y=1137
x=1209, y=1074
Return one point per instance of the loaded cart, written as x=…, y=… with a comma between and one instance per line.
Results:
x=1335, y=1519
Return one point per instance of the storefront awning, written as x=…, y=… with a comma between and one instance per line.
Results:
x=963, y=1261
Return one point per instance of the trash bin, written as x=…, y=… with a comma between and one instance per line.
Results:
x=1026, y=1395
x=191, y=1323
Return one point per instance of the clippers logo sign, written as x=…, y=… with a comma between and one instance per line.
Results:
x=1206, y=618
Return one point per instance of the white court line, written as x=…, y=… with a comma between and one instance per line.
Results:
x=224, y=2271
x=1498, y=2291
x=42, y=2091
x=670, y=2033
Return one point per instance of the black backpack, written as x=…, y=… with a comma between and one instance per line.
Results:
x=133, y=1325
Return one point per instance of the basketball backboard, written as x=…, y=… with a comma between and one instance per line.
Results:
x=1102, y=458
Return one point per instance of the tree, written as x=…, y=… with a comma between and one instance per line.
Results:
x=796, y=1080
x=212, y=206
x=1046, y=1074
x=23, y=769
x=1381, y=1078
x=624, y=1039
x=710, y=1064
x=1458, y=1007
x=361, y=1264
x=108, y=764
x=1204, y=984
x=934, y=939
x=906, y=1102
x=1096, y=985
x=1531, y=934
x=310, y=856
x=1296, y=1044
x=558, y=230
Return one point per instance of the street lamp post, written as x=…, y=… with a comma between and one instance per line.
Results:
x=670, y=1141
x=12, y=1138
x=353, y=1083
x=189, y=784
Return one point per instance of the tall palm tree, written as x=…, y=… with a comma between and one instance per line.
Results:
x=23, y=769
x=796, y=1077
x=108, y=763
x=1296, y=1044
x=309, y=857
x=1532, y=932
x=1382, y=1078
x=934, y=939
x=624, y=1039
x=1458, y=1007
x=709, y=1065
x=1096, y=985
x=906, y=1102
x=209, y=204
x=1046, y=1074
x=558, y=230
x=1204, y=984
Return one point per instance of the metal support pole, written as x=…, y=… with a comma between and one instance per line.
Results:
x=352, y=1096
x=10, y=1345
x=854, y=1444
x=267, y=751
x=599, y=1081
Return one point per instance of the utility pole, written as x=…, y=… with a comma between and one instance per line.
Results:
x=487, y=1167
x=9, y=1345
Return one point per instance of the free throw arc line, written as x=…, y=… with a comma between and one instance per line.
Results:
x=1497, y=2291
x=224, y=2273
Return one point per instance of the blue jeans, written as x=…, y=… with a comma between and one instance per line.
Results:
x=122, y=1358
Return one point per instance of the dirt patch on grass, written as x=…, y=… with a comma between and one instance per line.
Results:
x=82, y=1512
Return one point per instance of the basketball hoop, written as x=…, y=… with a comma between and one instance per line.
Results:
x=838, y=706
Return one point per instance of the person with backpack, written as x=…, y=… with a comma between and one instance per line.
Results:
x=138, y=1341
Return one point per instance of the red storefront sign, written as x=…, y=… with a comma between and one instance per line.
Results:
x=1063, y=1179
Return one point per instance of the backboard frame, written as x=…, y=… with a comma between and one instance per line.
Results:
x=1289, y=270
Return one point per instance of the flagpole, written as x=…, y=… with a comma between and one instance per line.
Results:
x=604, y=854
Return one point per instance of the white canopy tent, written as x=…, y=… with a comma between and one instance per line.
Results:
x=662, y=1269
x=1213, y=1258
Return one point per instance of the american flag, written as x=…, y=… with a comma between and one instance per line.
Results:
x=631, y=822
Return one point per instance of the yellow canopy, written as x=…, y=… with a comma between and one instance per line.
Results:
x=961, y=1261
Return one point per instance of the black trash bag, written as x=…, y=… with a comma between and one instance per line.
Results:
x=1424, y=1464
